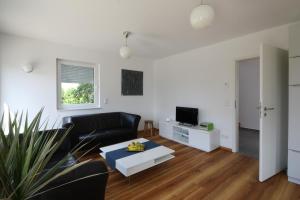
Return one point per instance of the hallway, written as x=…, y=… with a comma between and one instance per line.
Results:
x=249, y=142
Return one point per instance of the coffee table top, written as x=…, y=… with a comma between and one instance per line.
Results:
x=121, y=145
x=137, y=162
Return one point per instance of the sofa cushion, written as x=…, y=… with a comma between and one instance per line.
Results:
x=107, y=137
x=106, y=134
x=71, y=160
x=120, y=132
x=93, y=136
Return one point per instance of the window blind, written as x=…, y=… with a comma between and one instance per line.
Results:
x=76, y=74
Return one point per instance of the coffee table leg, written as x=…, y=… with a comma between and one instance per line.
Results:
x=129, y=180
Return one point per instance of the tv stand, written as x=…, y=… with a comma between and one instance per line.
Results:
x=190, y=135
x=186, y=125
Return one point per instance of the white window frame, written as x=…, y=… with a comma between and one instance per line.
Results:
x=96, y=103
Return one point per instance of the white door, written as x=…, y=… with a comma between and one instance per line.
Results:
x=274, y=111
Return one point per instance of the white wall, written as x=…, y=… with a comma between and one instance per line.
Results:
x=205, y=78
x=32, y=91
x=249, y=93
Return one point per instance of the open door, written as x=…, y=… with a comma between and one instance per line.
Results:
x=274, y=111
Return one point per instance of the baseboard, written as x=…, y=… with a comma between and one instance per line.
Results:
x=294, y=180
x=141, y=132
x=226, y=149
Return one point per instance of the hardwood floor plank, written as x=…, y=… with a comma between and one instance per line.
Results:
x=161, y=175
x=194, y=174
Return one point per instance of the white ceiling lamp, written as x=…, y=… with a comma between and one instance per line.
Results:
x=202, y=16
x=125, y=51
x=27, y=68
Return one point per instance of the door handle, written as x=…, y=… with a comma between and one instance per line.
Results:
x=267, y=109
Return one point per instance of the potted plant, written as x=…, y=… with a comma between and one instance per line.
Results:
x=24, y=154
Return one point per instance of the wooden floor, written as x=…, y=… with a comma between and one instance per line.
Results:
x=194, y=174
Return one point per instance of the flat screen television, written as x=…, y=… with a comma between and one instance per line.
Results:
x=187, y=115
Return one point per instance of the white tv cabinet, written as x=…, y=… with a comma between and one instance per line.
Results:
x=191, y=136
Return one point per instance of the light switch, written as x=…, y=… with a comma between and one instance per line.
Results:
x=226, y=84
x=105, y=100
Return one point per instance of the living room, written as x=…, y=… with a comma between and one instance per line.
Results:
x=149, y=63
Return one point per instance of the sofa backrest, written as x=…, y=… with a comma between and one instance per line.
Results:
x=84, y=125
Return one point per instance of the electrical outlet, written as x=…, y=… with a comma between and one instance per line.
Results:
x=224, y=136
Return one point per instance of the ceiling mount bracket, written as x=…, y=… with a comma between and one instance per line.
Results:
x=126, y=34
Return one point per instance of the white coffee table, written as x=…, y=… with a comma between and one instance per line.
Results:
x=140, y=161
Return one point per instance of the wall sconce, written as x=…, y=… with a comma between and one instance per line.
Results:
x=27, y=68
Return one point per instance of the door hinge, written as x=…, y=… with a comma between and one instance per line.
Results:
x=259, y=108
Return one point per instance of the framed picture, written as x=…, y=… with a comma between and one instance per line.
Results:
x=132, y=83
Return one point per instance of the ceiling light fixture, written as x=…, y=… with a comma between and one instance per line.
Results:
x=202, y=16
x=27, y=68
x=125, y=51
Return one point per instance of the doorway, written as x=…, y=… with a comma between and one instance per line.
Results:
x=248, y=80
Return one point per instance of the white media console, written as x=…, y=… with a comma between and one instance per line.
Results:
x=192, y=136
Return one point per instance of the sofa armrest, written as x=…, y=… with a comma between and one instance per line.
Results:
x=130, y=121
x=67, y=125
x=86, y=182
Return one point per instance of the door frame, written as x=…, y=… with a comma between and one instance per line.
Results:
x=235, y=138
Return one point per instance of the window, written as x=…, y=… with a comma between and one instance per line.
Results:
x=77, y=85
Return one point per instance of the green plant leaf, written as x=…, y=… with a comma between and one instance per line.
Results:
x=24, y=155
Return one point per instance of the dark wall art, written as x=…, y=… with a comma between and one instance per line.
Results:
x=132, y=83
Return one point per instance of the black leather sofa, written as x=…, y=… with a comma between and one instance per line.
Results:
x=98, y=130
x=86, y=182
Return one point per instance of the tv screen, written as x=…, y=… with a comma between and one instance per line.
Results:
x=187, y=115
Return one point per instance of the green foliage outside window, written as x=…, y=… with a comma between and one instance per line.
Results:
x=83, y=94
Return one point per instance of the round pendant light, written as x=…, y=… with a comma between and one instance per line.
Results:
x=27, y=68
x=125, y=51
x=202, y=16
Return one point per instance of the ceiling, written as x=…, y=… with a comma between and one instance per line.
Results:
x=160, y=27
